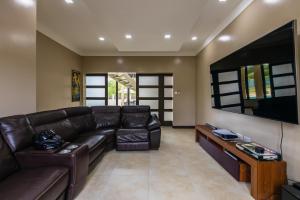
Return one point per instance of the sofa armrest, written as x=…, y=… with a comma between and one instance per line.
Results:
x=77, y=162
x=154, y=123
x=155, y=136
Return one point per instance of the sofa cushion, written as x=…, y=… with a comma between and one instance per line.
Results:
x=132, y=135
x=37, y=183
x=110, y=134
x=16, y=132
x=135, y=116
x=107, y=116
x=92, y=141
x=8, y=164
x=81, y=118
x=55, y=120
x=96, y=144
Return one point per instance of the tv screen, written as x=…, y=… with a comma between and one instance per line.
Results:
x=260, y=78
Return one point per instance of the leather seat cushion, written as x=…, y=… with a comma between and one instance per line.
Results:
x=135, y=120
x=132, y=135
x=81, y=118
x=110, y=134
x=107, y=116
x=37, y=183
x=56, y=120
x=96, y=144
x=135, y=116
x=92, y=141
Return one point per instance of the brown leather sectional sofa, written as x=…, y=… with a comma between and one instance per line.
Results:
x=27, y=173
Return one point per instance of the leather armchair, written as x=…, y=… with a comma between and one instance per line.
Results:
x=140, y=130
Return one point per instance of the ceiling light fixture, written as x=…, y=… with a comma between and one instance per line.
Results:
x=271, y=1
x=224, y=38
x=101, y=38
x=69, y=1
x=167, y=36
x=128, y=36
x=222, y=1
x=26, y=3
x=194, y=38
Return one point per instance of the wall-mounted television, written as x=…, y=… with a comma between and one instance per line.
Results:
x=260, y=79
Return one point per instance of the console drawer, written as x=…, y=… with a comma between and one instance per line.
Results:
x=237, y=168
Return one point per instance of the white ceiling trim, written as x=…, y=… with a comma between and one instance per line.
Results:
x=243, y=5
x=46, y=31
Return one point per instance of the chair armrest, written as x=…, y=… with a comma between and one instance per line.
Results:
x=155, y=136
x=77, y=162
x=154, y=123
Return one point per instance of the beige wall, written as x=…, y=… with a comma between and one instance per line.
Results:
x=54, y=66
x=183, y=69
x=255, y=21
x=17, y=58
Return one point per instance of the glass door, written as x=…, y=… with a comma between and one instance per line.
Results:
x=121, y=88
x=156, y=90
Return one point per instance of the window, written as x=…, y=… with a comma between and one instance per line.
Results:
x=251, y=82
x=268, y=88
x=95, y=93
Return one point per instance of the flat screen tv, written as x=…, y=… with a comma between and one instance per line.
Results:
x=259, y=79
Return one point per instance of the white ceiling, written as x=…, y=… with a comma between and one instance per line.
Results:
x=78, y=26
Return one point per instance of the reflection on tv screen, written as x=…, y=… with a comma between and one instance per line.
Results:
x=259, y=79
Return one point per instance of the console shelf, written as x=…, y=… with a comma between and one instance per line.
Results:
x=266, y=177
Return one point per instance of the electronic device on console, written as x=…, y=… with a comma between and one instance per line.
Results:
x=211, y=126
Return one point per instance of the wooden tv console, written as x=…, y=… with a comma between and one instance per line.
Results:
x=266, y=177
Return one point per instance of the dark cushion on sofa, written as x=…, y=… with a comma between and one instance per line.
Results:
x=96, y=144
x=8, y=164
x=107, y=116
x=132, y=135
x=37, y=183
x=110, y=134
x=55, y=120
x=135, y=116
x=16, y=132
x=81, y=118
x=91, y=141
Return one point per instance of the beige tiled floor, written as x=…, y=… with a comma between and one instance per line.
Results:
x=180, y=170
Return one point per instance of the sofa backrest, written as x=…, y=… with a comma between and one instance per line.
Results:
x=16, y=131
x=107, y=116
x=81, y=118
x=53, y=120
x=135, y=116
x=8, y=164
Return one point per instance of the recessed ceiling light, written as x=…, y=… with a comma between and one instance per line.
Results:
x=101, y=38
x=26, y=3
x=167, y=36
x=120, y=61
x=271, y=1
x=222, y=1
x=224, y=38
x=194, y=38
x=128, y=36
x=69, y=1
